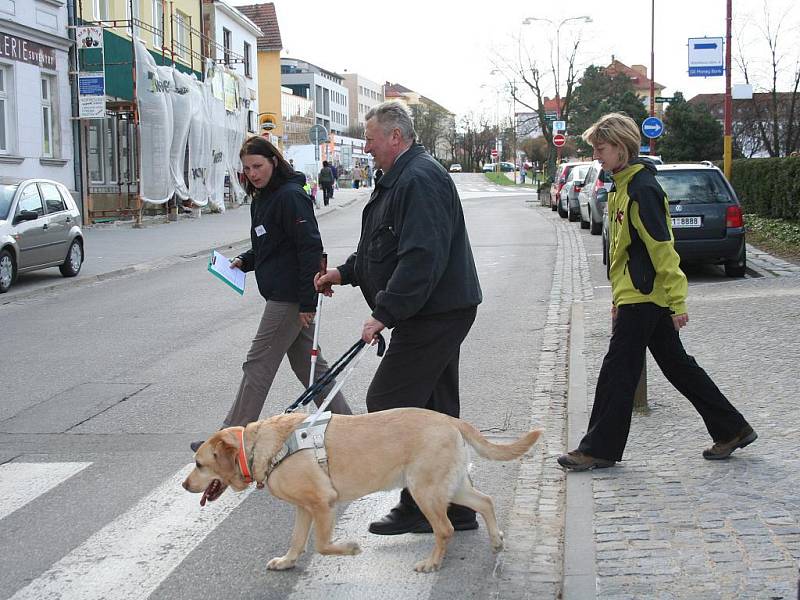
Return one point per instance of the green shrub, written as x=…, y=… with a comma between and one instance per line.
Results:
x=769, y=187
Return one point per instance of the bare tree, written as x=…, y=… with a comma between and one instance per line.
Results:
x=775, y=120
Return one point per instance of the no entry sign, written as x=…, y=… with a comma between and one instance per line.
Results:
x=559, y=140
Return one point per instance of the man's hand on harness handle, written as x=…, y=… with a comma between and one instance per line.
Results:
x=372, y=327
x=323, y=283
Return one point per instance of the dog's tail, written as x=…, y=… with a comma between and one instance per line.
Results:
x=497, y=451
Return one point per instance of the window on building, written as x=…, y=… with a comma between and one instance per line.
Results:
x=132, y=4
x=5, y=108
x=246, y=52
x=182, y=33
x=226, y=45
x=158, y=23
x=101, y=12
x=48, y=117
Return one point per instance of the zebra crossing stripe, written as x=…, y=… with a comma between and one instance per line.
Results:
x=131, y=556
x=23, y=482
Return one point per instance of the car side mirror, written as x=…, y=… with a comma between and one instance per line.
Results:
x=602, y=195
x=26, y=215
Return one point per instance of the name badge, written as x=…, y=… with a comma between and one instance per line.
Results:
x=260, y=231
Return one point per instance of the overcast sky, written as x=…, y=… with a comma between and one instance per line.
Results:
x=447, y=49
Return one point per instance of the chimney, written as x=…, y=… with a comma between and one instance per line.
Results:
x=641, y=69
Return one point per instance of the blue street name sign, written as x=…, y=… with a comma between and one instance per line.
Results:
x=652, y=127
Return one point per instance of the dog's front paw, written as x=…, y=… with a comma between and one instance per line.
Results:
x=427, y=566
x=280, y=563
x=497, y=543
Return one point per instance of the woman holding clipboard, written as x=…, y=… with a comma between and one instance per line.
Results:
x=285, y=255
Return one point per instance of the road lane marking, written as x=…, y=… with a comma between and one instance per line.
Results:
x=23, y=482
x=132, y=555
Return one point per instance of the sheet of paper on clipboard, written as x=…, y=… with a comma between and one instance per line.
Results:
x=220, y=266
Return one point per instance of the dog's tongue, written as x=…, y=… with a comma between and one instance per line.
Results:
x=209, y=494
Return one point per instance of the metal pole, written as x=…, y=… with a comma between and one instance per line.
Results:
x=728, y=139
x=652, y=70
x=558, y=85
x=139, y=205
x=323, y=269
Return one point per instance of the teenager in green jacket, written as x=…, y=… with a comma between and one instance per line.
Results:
x=648, y=310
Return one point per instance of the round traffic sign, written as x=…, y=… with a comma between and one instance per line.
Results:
x=652, y=127
x=559, y=140
x=317, y=135
x=494, y=152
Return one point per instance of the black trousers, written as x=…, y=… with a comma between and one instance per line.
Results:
x=420, y=367
x=638, y=327
x=327, y=192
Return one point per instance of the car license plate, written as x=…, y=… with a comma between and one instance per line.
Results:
x=686, y=222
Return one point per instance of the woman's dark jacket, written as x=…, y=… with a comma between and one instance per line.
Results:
x=414, y=256
x=286, y=256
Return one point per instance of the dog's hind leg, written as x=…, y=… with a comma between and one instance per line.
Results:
x=302, y=527
x=466, y=495
x=324, y=515
x=435, y=510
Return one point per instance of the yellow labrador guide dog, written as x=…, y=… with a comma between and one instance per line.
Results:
x=422, y=450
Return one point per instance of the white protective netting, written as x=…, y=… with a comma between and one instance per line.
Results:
x=175, y=111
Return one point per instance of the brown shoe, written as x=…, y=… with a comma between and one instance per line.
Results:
x=722, y=450
x=578, y=461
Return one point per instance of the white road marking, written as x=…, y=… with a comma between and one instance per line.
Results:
x=23, y=482
x=132, y=555
x=384, y=569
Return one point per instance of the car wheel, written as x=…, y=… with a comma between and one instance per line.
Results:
x=8, y=271
x=553, y=206
x=561, y=212
x=594, y=228
x=573, y=216
x=72, y=265
x=584, y=224
x=737, y=267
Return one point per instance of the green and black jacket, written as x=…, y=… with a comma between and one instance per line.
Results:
x=644, y=264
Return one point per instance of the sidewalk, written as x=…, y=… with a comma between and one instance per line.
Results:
x=665, y=522
x=119, y=249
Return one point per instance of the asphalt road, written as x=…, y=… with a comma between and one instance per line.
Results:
x=105, y=384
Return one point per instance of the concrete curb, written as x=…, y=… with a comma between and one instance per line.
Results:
x=580, y=571
x=142, y=267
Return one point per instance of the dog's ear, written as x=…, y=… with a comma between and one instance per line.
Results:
x=226, y=447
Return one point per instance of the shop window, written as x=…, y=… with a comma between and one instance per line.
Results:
x=48, y=117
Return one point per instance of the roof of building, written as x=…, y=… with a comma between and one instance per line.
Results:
x=639, y=80
x=263, y=15
x=396, y=91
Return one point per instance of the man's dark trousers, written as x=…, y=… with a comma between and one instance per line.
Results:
x=420, y=368
x=638, y=327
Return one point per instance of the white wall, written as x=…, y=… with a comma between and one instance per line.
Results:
x=45, y=23
x=239, y=35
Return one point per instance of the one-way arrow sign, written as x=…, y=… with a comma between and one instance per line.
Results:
x=705, y=57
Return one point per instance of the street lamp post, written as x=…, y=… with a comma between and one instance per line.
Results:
x=528, y=21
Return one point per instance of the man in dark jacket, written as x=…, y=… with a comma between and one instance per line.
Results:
x=414, y=266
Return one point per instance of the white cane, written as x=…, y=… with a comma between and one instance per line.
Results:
x=323, y=268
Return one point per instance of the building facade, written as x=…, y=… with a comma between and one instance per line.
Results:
x=639, y=79
x=170, y=31
x=363, y=95
x=298, y=117
x=433, y=123
x=231, y=39
x=269, y=46
x=324, y=88
x=36, y=133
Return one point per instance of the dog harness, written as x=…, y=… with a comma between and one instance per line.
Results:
x=309, y=435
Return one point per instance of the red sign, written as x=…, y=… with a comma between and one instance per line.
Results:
x=559, y=140
x=494, y=152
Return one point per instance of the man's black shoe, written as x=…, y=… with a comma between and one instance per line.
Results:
x=403, y=518
x=195, y=446
x=461, y=517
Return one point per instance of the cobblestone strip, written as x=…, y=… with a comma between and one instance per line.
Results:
x=772, y=265
x=532, y=565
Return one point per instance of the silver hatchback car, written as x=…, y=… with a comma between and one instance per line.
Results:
x=39, y=228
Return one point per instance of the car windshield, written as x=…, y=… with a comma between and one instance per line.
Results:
x=6, y=196
x=694, y=187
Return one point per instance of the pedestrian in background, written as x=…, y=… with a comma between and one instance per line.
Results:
x=648, y=309
x=335, y=171
x=357, y=176
x=368, y=172
x=415, y=268
x=325, y=178
x=285, y=255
